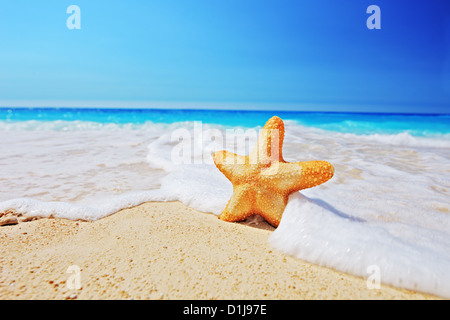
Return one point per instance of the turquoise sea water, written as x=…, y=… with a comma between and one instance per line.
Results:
x=358, y=123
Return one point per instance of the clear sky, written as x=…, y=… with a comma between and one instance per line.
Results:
x=295, y=52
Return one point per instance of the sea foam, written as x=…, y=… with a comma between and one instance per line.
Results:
x=386, y=208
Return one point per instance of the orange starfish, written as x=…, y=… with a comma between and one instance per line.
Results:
x=263, y=181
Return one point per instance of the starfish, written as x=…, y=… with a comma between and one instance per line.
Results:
x=263, y=181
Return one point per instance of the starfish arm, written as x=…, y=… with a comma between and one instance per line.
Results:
x=239, y=207
x=230, y=164
x=295, y=176
x=270, y=143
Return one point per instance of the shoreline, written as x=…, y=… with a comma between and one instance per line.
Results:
x=164, y=250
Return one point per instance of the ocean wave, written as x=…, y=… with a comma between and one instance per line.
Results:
x=402, y=139
x=432, y=140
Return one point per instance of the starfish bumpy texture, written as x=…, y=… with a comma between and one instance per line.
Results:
x=263, y=181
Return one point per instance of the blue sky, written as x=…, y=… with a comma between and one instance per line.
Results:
x=300, y=54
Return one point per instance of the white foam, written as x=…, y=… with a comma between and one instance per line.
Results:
x=386, y=206
x=406, y=255
x=101, y=208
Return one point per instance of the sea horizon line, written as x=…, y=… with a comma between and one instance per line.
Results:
x=303, y=107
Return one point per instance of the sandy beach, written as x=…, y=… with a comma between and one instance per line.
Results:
x=164, y=251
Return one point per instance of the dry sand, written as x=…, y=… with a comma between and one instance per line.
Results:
x=163, y=251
